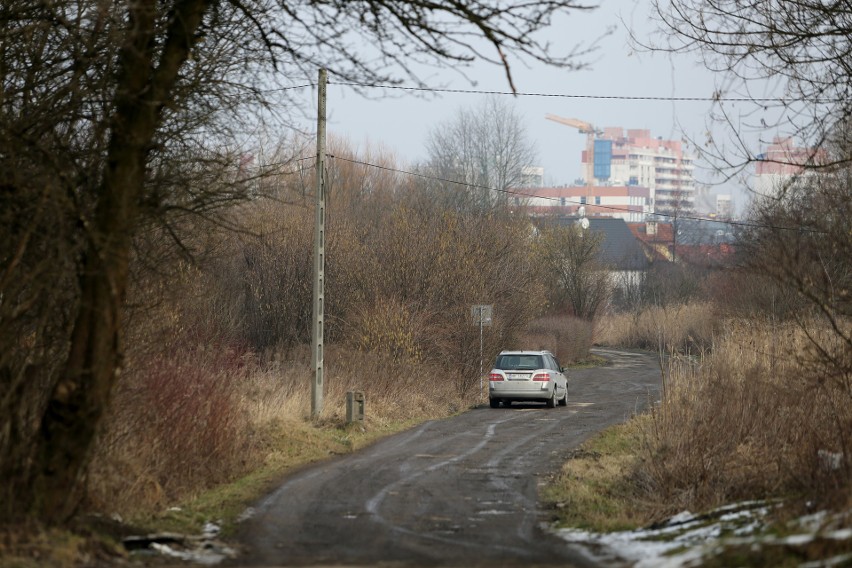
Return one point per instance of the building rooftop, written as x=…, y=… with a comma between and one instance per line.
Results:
x=619, y=249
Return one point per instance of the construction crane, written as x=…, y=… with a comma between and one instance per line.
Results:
x=590, y=131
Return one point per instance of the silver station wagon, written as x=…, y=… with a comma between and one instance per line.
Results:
x=527, y=376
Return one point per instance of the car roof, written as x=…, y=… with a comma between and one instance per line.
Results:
x=525, y=352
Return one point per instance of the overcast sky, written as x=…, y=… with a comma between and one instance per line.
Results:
x=402, y=121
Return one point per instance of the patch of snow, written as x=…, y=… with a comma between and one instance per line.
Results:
x=823, y=563
x=797, y=539
x=210, y=530
x=684, y=539
x=622, y=545
x=812, y=522
x=680, y=518
x=203, y=549
x=655, y=547
x=206, y=556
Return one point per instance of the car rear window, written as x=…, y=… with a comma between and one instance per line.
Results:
x=519, y=362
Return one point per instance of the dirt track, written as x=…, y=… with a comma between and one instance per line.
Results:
x=455, y=492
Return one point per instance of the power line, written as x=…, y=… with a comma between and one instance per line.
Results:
x=263, y=169
x=279, y=89
x=555, y=95
x=570, y=96
x=574, y=202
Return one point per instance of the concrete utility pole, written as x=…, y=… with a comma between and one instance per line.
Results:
x=319, y=255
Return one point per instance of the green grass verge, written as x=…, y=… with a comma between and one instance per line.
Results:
x=589, y=362
x=595, y=489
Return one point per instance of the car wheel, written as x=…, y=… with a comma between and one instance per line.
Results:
x=551, y=402
x=495, y=403
x=507, y=403
x=564, y=400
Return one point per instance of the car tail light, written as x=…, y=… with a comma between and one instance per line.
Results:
x=541, y=377
x=495, y=377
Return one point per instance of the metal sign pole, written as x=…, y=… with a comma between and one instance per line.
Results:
x=480, y=354
x=481, y=315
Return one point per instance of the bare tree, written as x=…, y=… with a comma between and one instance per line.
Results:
x=118, y=115
x=579, y=282
x=802, y=243
x=799, y=48
x=484, y=146
x=799, y=242
x=801, y=239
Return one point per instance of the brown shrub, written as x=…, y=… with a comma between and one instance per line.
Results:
x=748, y=421
x=391, y=328
x=177, y=426
x=567, y=337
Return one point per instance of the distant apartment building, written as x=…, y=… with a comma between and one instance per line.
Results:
x=532, y=176
x=635, y=158
x=724, y=206
x=781, y=162
x=615, y=158
x=630, y=203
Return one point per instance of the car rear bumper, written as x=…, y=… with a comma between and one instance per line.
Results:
x=520, y=391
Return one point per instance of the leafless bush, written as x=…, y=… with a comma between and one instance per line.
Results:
x=663, y=284
x=177, y=424
x=267, y=277
x=390, y=328
x=567, y=337
x=748, y=421
x=801, y=244
x=743, y=293
x=179, y=428
x=581, y=284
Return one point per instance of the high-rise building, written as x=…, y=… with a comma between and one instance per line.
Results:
x=637, y=159
x=780, y=164
x=612, y=158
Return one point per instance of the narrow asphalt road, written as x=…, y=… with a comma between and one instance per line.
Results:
x=454, y=492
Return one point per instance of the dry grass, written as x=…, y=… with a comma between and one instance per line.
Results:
x=680, y=328
x=30, y=546
x=759, y=416
x=755, y=418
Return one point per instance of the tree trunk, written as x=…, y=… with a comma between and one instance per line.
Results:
x=81, y=396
